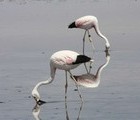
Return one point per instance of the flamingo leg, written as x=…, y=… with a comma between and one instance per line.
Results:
x=76, y=86
x=86, y=67
x=66, y=109
x=90, y=67
x=66, y=86
x=84, y=49
x=90, y=40
x=78, y=118
x=84, y=42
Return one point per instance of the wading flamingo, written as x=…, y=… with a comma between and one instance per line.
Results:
x=86, y=23
x=63, y=60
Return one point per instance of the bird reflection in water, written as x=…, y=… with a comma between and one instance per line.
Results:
x=67, y=113
x=36, y=111
x=90, y=80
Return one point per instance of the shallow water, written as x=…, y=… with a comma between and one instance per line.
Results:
x=31, y=30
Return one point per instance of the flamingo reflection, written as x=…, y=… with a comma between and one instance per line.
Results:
x=90, y=80
x=37, y=107
x=36, y=111
x=79, y=112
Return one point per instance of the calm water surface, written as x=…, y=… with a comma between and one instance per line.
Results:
x=31, y=30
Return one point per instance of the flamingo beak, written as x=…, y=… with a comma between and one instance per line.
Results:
x=41, y=102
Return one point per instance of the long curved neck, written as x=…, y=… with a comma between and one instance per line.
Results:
x=43, y=83
x=98, y=74
x=51, y=78
x=100, y=34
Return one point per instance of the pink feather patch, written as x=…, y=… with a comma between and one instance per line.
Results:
x=69, y=60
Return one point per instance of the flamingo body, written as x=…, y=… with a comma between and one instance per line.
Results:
x=63, y=60
x=86, y=23
x=67, y=60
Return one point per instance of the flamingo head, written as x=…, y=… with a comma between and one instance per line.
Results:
x=36, y=95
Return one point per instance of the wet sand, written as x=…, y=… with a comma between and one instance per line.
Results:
x=31, y=30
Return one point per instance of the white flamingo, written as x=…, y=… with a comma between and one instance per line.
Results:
x=63, y=60
x=86, y=23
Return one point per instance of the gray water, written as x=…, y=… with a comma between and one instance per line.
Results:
x=32, y=30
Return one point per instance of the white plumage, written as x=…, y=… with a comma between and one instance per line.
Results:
x=86, y=22
x=64, y=59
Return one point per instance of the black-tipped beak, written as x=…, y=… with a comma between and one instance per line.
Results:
x=72, y=25
x=41, y=102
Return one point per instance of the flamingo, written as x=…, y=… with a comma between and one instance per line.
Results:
x=86, y=23
x=90, y=80
x=63, y=60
